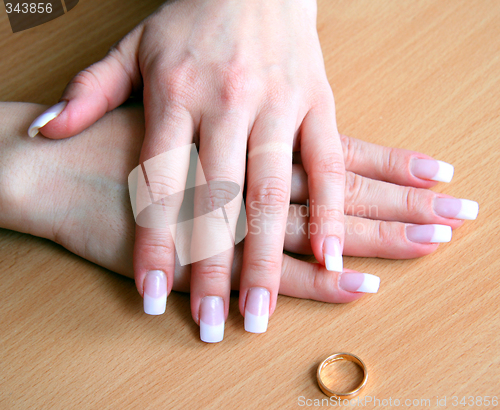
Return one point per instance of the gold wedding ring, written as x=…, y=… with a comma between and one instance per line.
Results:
x=335, y=358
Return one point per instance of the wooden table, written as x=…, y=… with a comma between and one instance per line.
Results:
x=423, y=75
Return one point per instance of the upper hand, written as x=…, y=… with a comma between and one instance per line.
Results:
x=242, y=77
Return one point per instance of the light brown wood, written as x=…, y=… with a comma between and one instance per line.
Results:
x=423, y=75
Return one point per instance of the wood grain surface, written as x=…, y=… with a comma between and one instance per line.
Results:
x=423, y=75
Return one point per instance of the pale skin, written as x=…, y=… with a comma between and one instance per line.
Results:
x=75, y=193
x=237, y=77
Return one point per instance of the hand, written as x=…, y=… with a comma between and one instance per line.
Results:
x=240, y=76
x=92, y=187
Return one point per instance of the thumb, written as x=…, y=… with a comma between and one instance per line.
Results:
x=94, y=91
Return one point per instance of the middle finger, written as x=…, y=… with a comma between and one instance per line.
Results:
x=217, y=203
x=268, y=196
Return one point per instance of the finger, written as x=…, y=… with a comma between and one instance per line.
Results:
x=324, y=164
x=300, y=279
x=94, y=91
x=165, y=158
x=306, y=280
x=371, y=238
x=299, y=193
x=374, y=199
x=217, y=207
x=268, y=195
x=399, y=166
x=393, y=240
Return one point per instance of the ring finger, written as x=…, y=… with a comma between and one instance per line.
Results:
x=218, y=198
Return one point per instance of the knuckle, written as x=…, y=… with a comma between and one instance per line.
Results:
x=222, y=192
x=273, y=194
x=162, y=185
x=412, y=201
x=331, y=164
x=354, y=185
x=217, y=194
x=320, y=281
x=349, y=149
x=235, y=86
x=279, y=94
x=214, y=270
x=156, y=246
x=178, y=82
x=263, y=265
x=322, y=97
x=87, y=79
x=116, y=56
x=390, y=164
x=331, y=214
x=384, y=233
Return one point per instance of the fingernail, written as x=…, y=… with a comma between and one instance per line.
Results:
x=212, y=319
x=359, y=282
x=257, y=310
x=155, y=292
x=456, y=208
x=333, y=254
x=46, y=117
x=428, y=233
x=432, y=169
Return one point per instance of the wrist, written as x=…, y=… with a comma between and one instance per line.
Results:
x=16, y=163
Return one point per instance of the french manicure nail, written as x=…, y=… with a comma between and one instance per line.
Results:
x=428, y=233
x=257, y=310
x=456, y=208
x=359, y=282
x=333, y=254
x=212, y=319
x=432, y=169
x=46, y=117
x=155, y=292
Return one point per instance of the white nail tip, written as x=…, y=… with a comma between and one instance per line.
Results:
x=468, y=210
x=211, y=333
x=334, y=263
x=370, y=284
x=445, y=172
x=256, y=324
x=442, y=233
x=46, y=117
x=154, y=306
